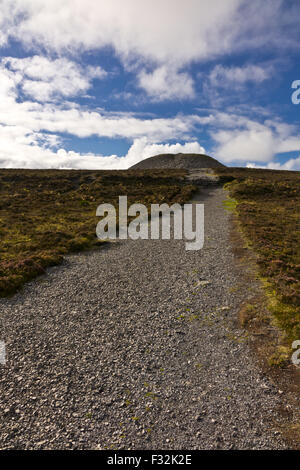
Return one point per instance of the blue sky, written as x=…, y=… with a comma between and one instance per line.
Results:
x=97, y=84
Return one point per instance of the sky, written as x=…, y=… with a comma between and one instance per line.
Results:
x=99, y=84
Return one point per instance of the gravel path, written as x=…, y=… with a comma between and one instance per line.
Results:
x=136, y=346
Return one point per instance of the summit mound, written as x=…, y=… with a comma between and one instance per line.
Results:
x=179, y=160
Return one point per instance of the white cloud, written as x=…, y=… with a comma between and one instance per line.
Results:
x=240, y=139
x=86, y=123
x=44, y=79
x=166, y=35
x=255, y=145
x=70, y=118
x=162, y=31
x=227, y=84
x=22, y=149
x=29, y=131
x=142, y=149
x=232, y=76
x=166, y=83
x=293, y=164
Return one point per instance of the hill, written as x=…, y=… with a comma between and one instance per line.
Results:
x=179, y=160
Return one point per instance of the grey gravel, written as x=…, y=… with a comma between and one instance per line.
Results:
x=136, y=346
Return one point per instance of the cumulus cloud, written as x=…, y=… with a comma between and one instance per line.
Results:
x=71, y=119
x=22, y=149
x=240, y=139
x=166, y=35
x=256, y=145
x=30, y=131
x=293, y=164
x=166, y=83
x=162, y=30
x=87, y=123
x=44, y=79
